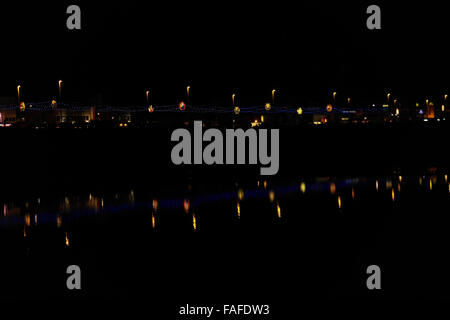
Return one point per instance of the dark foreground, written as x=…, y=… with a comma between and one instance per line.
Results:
x=343, y=200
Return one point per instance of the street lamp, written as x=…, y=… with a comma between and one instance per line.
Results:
x=388, y=96
x=334, y=97
x=232, y=98
x=146, y=95
x=60, y=88
x=273, y=96
x=188, y=91
x=18, y=93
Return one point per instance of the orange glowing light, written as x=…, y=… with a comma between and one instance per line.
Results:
x=332, y=188
x=186, y=205
x=27, y=220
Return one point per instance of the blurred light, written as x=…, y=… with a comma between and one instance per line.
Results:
x=238, y=210
x=339, y=202
x=240, y=194
x=267, y=107
x=388, y=184
x=303, y=187
x=332, y=188
x=27, y=220
x=278, y=210
x=186, y=205
x=300, y=111
x=67, y=240
x=272, y=196
x=194, y=222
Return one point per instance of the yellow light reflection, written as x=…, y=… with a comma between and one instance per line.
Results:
x=194, y=222
x=155, y=204
x=272, y=196
x=153, y=221
x=393, y=195
x=388, y=184
x=303, y=187
x=238, y=210
x=241, y=193
x=67, y=240
x=58, y=221
x=376, y=185
x=353, y=193
x=339, y=202
x=278, y=210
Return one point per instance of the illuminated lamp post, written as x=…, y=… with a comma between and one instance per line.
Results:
x=60, y=89
x=18, y=93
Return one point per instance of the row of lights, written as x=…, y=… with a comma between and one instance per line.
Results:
x=182, y=105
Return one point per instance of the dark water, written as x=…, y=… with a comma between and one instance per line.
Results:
x=255, y=239
x=149, y=233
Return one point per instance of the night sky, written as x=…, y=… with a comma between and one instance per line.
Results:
x=305, y=50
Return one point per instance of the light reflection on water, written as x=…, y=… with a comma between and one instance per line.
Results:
x=60, y=213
